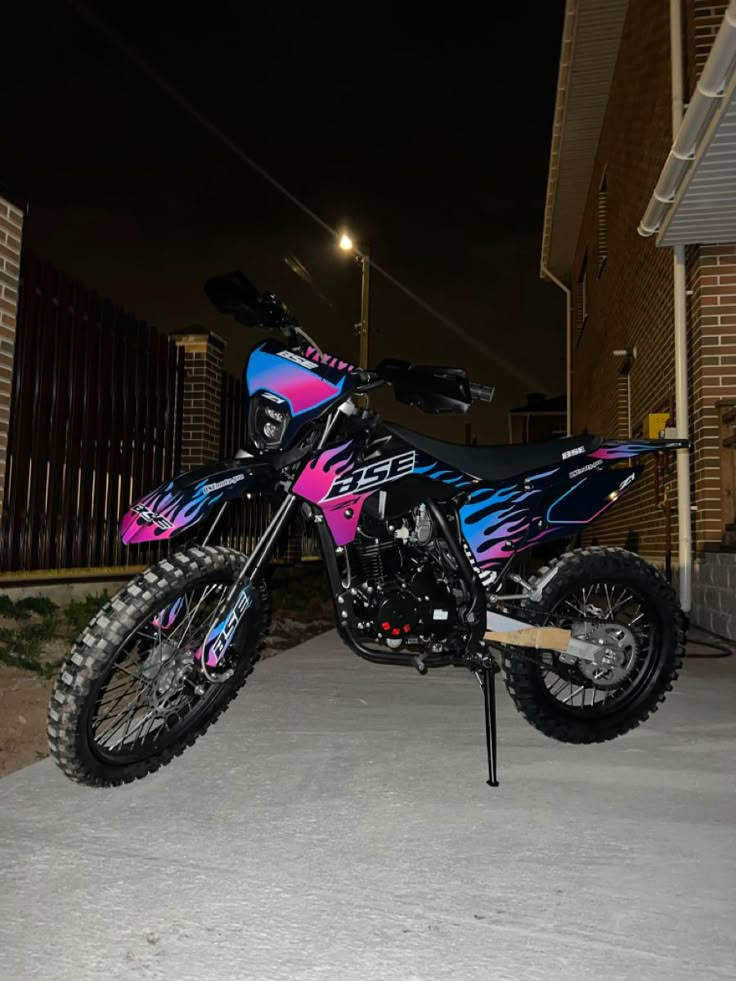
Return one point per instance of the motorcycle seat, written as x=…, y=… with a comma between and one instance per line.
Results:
x=499, y=462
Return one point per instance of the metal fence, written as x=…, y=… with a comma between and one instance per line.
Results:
x=95, y=420
x=247, y=521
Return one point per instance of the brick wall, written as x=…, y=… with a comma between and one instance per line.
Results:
x=630, y=300
x=712, y=326
x=702, y=19
x=202, y=397
x=11, y=228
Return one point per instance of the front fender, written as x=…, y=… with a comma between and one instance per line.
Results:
x=187, y=499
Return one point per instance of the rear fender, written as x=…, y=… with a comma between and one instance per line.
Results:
x=612, y=449
x=189, y=498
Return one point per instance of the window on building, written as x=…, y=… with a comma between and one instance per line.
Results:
x=581, y=295
x=602, y=222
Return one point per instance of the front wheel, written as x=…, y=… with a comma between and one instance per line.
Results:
x=131, y=696
x=624, y=602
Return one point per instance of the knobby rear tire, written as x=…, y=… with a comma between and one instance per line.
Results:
x=97, y=647
x=525, y=680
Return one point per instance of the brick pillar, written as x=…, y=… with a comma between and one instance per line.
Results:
x=11, y=228
x=203, y=352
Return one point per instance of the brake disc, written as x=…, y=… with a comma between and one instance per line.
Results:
x=617, y=657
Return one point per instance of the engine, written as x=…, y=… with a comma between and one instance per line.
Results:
x=406, y=589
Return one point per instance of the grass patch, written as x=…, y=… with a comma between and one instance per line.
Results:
x=79, y=612
x=304, y=596
x=32, y=624
x=34, y=629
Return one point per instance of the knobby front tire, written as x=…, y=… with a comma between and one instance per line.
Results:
x=119, y=647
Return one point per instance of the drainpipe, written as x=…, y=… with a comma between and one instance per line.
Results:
x=684, y=522
x=568, y=342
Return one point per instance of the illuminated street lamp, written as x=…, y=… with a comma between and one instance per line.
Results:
x=363, y=256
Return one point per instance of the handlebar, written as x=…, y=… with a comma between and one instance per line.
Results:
x=368, y=380
x=482, y=393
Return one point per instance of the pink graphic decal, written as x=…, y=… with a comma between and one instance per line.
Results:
x=315, y=480
x=291, y=377
x=624, y=451
x=327, y=359
x=165, y=511
x=342, y=513
x=166, y=618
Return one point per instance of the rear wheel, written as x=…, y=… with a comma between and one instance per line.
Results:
x=131, y=695
x=630, y=608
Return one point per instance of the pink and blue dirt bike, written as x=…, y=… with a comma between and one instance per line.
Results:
x=422, y=541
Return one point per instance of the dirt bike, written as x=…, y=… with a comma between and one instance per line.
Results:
x=421, y=540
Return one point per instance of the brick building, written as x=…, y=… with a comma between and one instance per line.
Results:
x=652, y=320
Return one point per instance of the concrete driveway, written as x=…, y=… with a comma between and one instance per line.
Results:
x=336, y=825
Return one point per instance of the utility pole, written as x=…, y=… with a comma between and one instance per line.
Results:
x=364, y=258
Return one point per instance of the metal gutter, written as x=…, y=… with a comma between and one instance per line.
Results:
x=708, y=93
x=558, y=126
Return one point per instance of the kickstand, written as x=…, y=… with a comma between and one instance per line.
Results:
x=487, y=683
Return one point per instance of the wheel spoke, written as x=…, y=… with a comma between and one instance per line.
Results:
x=573, y=694
x=579, y=688
x=608, y=601
x=126, y=715
x=136, y=677
x=185, y=626
x=149, y=690
x=111, y=705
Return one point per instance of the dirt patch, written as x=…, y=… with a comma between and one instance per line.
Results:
x=302, y=609
x=24, y=698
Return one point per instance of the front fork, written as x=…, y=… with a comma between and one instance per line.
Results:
x=231, y=610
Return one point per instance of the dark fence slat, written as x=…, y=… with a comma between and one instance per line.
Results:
x=160, y=406
x=96, y=420
x=126, y=369
x=58, y=426
x=96, y=413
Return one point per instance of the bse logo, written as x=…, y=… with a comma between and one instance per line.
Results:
x=576, y=452
x=375, y=474
x=297, y=359
x=222, y=641
x=152, y=517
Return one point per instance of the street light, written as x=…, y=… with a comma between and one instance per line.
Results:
x=363, y=256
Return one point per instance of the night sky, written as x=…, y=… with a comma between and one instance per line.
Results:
x=427, y=135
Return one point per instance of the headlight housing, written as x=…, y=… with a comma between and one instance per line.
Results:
x=268, y=417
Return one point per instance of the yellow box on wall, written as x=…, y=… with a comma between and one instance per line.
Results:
x=654, y=423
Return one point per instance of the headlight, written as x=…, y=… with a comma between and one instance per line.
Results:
x=268, y=417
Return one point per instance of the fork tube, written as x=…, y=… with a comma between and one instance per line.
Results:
x=263, y=551
x=215, y=523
